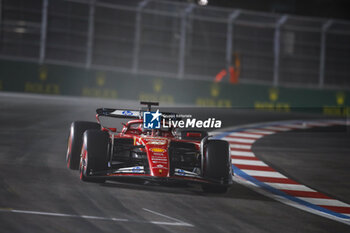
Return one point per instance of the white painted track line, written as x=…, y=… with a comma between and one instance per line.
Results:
x=249, y=162
x=294, y=187
x=53, y=214
x=62, y=215
x=263, y=173
x=245, y=135
x=166, y=216
x=325, y=202
x=242, y=153
x=240, y=146
x=259, y=131
x=239, y=140
x=297, y=126
x=277, y=128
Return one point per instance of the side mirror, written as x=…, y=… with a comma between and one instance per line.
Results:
x=193, y=135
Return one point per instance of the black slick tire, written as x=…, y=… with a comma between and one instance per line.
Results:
x=94, y=156
x=75, y=141
x=216, y=165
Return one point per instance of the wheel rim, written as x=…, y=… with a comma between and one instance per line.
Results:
x=83, y=163
x=69, y=150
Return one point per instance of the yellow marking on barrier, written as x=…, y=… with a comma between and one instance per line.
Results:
x=215, y=90
x=271, y=106
x=43, y=73
x=100, y=79
x=99, y=92
x=157, y=85
x=340, y=96
x=273, y=94
x=211, y=102
x=336, y=110
x=42, y=88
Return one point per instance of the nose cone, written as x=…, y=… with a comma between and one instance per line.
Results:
x=159, y=160
x=159, y=163
x=158, y=157
x=160, y=172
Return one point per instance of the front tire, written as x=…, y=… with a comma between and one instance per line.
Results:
x=216, y=165
x=75, y=141
x=94, y=155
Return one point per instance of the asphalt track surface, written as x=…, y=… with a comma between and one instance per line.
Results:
x=39, y=194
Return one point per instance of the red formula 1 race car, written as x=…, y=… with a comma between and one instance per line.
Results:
x=161, y=155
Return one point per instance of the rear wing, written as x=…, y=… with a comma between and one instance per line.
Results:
x=125, y=113
x=130, y=114
x=119, y=113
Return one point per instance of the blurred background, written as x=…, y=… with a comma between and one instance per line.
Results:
x=266, y=54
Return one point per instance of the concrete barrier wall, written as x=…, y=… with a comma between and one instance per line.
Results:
x=62, y=80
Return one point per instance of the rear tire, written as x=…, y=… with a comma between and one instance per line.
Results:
x=216, y=165
x=75, y=141
x=94, y=155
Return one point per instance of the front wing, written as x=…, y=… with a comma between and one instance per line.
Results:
x=138, y=173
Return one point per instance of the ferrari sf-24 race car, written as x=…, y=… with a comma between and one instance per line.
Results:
x=162, y=155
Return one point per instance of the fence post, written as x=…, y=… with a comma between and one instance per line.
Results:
x=43, y=32
x=229, y=37
x=182, y=47
x=277, y=46
x=325, y=28
x=90, y=35
x=135, y=62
